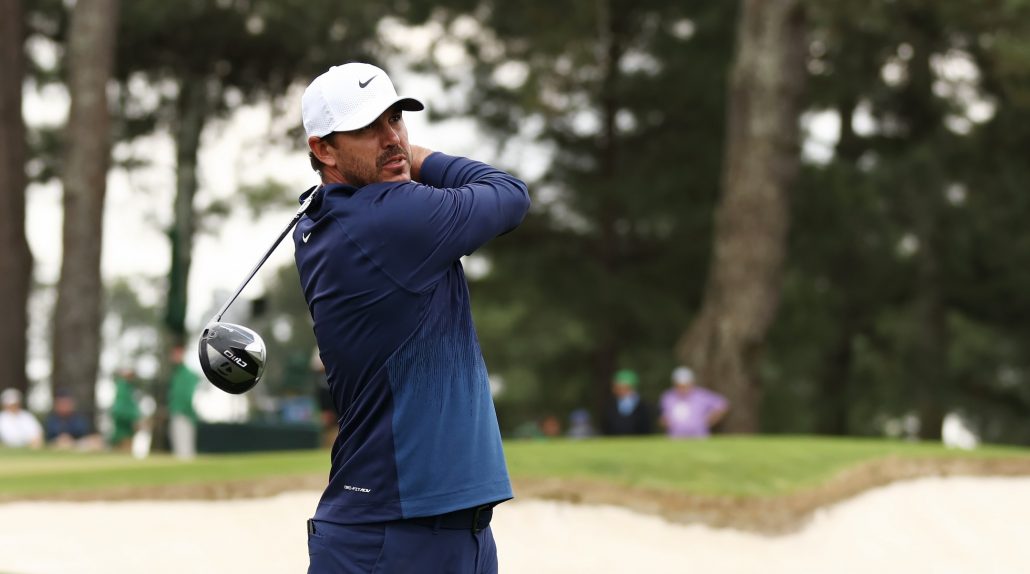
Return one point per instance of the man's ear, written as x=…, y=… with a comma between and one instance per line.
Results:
x=320, y=147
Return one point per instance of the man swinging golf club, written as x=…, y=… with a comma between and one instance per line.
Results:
x=418, y=464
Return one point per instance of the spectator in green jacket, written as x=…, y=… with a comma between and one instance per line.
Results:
x=124, y=411
x=182, y=417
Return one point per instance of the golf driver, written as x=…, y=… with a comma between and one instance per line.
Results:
x=233, y=356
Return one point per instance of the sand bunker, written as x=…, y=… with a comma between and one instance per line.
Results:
x=939, y=525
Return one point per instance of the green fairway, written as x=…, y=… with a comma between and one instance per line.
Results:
x=722, y=466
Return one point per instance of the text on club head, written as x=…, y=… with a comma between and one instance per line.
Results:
x=232, y=357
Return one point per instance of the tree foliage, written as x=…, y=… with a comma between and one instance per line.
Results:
x=903, y=291
x=236, y=51
x=902, y=282
x=605, y=271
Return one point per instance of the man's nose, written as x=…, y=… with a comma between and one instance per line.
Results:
x=390, y=136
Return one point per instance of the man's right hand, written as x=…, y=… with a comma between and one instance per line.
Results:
x=418, y=155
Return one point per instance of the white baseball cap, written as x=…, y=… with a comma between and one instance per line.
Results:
x=10, y=397
x=682, y=376
x=349, y=97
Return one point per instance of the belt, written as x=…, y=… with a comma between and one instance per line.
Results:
x=474, y=519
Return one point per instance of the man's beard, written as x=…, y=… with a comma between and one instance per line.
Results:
x=360, y=175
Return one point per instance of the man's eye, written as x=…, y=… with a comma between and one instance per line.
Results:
x=395, y=117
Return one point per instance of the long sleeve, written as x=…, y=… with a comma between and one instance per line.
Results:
x=461, y=204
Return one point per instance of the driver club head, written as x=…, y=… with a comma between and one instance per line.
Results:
x=232, y=357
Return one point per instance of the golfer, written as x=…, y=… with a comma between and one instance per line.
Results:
x=418, y=465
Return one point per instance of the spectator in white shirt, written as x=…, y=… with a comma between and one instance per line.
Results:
x=18, y=428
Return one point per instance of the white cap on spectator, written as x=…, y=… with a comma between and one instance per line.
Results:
x=10, y=397
x=683, y=376
x=349, y=97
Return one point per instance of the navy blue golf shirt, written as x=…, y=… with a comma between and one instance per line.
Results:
x=380, y=270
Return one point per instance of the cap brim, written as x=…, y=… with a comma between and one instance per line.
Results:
x=409, y=105
x=406, y=104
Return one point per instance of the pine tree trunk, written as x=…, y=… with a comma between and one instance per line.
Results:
x=931, y=384
x=834, y=390
x=191, y=112
x=15, y=257
x=920, y=191
x=78, y=313
x=725, y=341
x=609, y=335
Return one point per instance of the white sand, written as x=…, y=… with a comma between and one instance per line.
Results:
x=953, y=525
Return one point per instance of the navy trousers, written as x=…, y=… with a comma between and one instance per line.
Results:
x=398, y=548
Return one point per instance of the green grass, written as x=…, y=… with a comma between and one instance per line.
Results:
x=28, y=472
x=723, y=466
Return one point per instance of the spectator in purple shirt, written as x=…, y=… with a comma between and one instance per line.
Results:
x=690, y=411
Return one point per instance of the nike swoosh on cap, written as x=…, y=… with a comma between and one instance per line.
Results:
x=305, y=237
x=366, y=82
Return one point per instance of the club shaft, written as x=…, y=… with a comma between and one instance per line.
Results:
x=253, y=272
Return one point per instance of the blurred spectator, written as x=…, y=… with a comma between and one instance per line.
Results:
x=18, y=428
x=956, y=432
x=690, y=411
x=627, y=414
x=579, y=424
x=528, y=429
x=67, y=428
x=550, y=426
x=326, y=408
x=124, y=411
x=182, y=418
x=296, y=409
x=541, y=428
